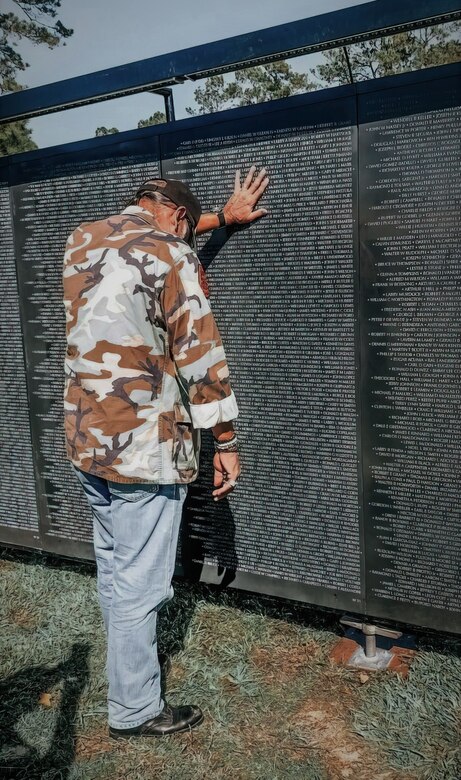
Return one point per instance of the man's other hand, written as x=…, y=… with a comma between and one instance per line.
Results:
x=240, y=208
x=226, y=471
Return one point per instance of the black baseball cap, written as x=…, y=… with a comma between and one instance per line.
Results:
x=176, y=191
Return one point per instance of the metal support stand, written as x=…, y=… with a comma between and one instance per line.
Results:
x=167, y=95
x=373, y=657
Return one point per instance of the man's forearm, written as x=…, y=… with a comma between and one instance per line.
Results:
x=208, y=221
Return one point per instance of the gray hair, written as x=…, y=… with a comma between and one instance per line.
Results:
x=156, y=197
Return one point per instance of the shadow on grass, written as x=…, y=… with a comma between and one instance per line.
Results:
x=19, y=697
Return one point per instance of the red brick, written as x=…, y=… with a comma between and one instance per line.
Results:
x=401, y=660
x=343, y=650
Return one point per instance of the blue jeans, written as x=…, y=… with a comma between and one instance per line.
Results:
x=135, y=531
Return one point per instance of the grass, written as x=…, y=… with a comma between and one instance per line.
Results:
x=276, y=707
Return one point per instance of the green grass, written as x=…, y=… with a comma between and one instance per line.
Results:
x=423, y=729
x=276, y=707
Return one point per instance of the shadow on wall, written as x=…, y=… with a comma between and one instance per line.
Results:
x=19, y=695
x=216, y=241
x=208, y=527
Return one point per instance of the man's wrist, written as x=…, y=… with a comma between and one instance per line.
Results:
x=227, y=215
x=230, y=445
x=223, y=432
x=222, y=222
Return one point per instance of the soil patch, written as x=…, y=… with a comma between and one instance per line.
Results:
x=323, y=724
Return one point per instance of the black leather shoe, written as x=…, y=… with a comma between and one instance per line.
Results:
x=171, y=720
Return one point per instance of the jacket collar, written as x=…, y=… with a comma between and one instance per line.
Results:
x=145, y=215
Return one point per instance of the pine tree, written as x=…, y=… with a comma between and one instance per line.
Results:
x=37, y=23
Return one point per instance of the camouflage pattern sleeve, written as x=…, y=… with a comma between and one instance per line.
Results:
x=196, y=346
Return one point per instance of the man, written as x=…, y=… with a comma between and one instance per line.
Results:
x=145, y=371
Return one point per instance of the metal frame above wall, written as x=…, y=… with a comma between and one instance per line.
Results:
x=318, y=33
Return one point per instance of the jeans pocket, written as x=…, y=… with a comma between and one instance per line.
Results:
x=131, y=491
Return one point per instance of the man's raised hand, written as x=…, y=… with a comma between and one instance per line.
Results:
x=240, y=208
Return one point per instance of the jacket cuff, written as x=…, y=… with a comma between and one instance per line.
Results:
x=209, y=415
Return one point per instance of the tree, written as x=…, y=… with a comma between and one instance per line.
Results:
x=106, y=131
x=15, y=137
x=386, y=56
x=41, y=27
x=156, y=119
x=252, y=85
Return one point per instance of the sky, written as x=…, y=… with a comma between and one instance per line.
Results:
x=114, y=32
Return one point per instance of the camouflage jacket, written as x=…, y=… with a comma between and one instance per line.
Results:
x=145, y=367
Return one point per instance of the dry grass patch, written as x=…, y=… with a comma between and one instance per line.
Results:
x=24, y=618
x=95, y=743
x=280, y=665
x=175, y=675
x=7, y=565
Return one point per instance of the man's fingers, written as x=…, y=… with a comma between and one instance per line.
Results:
x=259, y=191
x=255, y=184
x=258, y=214
x=223, y=491
x=227, y=472
x=249, y=177
x=237, y=186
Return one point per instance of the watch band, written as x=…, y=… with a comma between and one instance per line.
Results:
x=222, y=219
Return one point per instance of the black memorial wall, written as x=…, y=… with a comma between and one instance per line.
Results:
x=340, y=316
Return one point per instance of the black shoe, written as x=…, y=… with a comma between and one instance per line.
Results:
x=170, y=721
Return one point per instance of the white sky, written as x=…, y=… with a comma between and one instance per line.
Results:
x=114, y=32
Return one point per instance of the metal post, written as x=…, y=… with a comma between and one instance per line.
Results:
x=373, y=657
x=169, y=102
x=370, y=646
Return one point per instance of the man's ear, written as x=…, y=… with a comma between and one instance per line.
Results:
x=179, y=215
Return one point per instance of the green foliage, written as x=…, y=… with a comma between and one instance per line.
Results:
x=106, y=131
x=156, y=119
x=407, y=51
x=16, y=137
x=252, y=85
x=35, y=27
